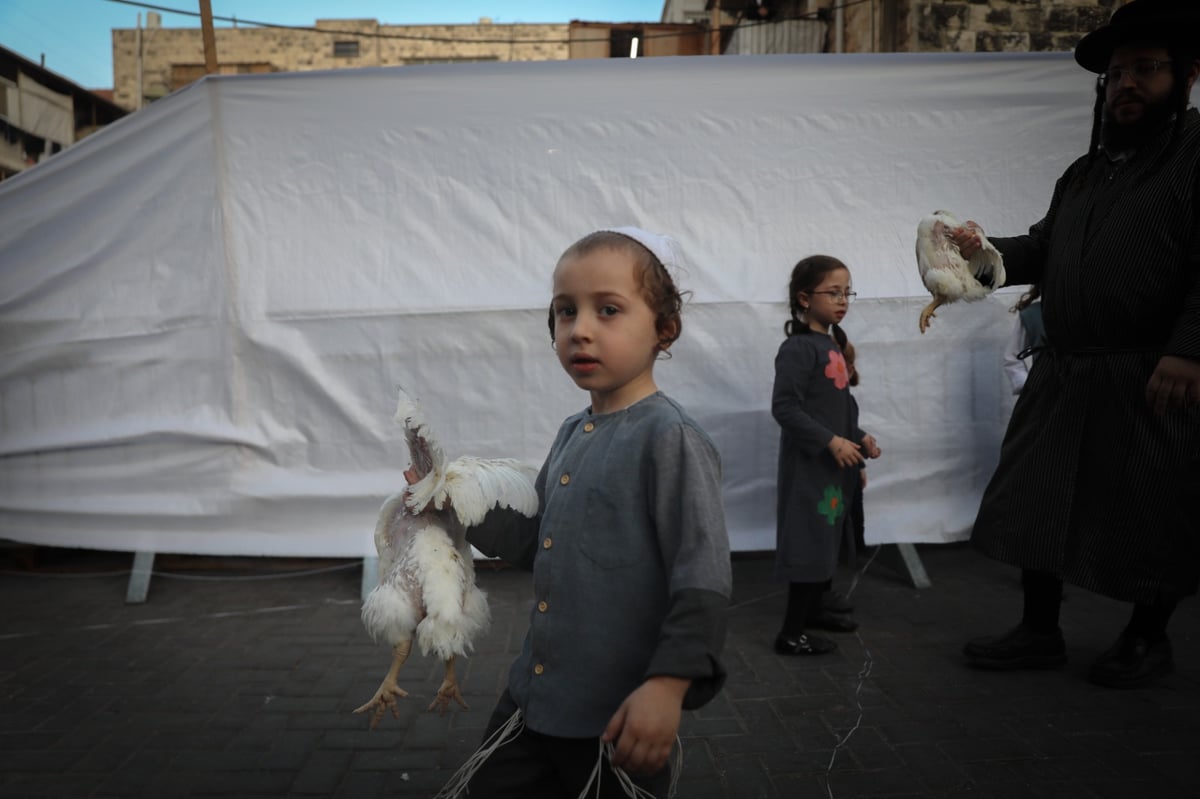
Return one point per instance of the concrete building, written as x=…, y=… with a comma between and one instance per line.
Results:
x=152, y=62
x=696, y=12
x=41, y=113
x=866, y=26
x=636, y=39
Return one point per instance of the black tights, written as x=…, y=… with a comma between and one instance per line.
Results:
x=802, y=604
x=1043, y=598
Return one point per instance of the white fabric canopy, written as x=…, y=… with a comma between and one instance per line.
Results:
x=207, y=306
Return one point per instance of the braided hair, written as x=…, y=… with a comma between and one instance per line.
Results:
x=848, y=352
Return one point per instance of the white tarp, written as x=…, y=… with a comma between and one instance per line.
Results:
x=206, y=307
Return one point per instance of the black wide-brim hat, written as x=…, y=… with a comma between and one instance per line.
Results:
x=1166, y=21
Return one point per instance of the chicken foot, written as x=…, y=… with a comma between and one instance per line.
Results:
x=389, y=691
x=447, y=691
x=928, y=313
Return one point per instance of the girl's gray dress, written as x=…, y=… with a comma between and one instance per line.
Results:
x=811, y=402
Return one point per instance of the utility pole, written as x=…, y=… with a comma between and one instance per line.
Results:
x=714, y=28
x=210, y=37
x=141, y=79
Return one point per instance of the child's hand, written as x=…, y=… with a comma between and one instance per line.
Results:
x=645, y=725
x=872, y=448
x=845, y=452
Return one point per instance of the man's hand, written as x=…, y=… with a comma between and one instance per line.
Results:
x=1174, y=384
x=644, y=727
x=968, y=238
x=411, y=476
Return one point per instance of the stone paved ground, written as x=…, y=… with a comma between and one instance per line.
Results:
x=241, y=683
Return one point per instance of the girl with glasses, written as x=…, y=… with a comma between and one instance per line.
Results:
x=821, y=450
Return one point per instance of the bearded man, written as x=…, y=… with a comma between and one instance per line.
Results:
x=1098, y=482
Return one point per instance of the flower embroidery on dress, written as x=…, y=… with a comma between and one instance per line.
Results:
x=836, y=370
x=831, y=505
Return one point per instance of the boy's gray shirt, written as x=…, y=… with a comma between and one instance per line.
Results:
x=630, y=561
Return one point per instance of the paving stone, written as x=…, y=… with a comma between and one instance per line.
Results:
x=361, y=785
x=873, y=782
x=22, y=785
x=323, y=772
x=244, y=689
x=940, y=775
x=868, y=755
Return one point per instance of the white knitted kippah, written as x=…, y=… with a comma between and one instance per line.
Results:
x=665, y=248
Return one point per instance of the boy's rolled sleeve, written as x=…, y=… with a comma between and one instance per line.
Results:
x=690, y=519
x=693, y=634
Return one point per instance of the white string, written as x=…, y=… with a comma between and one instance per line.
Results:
x=676, y=768
x=624, y=780
x=513, y=727
x=859, y=574
x=853, y=584
x=507, y=733
x=863, y=673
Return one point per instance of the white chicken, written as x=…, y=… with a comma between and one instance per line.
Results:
x=427, y=585
x=949, y=276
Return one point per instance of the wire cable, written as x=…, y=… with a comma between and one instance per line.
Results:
x=816, y=15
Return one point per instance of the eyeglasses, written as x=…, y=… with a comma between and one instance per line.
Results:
x=838, y=296
x=1141, y=71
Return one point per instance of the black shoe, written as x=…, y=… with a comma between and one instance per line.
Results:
x=1133, y=662
x=835, y=602
x=1019, y=648
x=833, y=622
x=804, y=644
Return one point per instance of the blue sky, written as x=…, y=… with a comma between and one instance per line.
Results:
x=75, y=35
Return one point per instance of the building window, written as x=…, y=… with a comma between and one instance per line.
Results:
x=345, y=49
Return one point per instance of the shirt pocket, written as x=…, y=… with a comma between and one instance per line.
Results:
x=604, y=536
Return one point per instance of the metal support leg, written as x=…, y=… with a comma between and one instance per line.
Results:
x=139, y=578
x=909, y=564
x=916, y=569
x=370, y=575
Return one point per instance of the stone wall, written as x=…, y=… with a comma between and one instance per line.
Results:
x=173, y=57
x=1000, y=25
x=954, y=25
